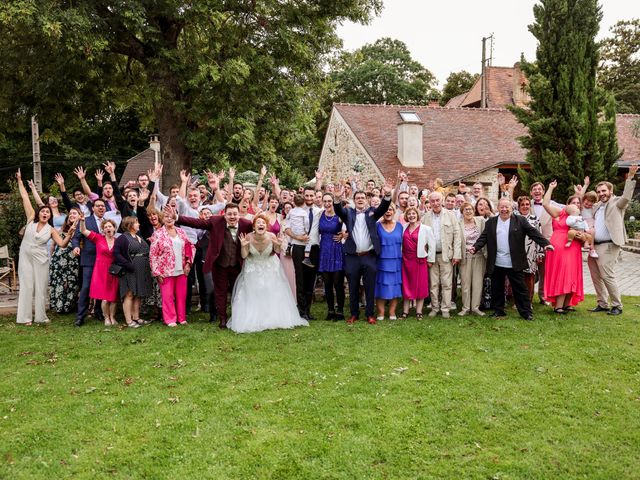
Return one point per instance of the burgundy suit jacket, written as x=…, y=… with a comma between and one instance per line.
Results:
x=216, y=226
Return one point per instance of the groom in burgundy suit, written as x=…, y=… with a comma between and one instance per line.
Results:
x=223, y=258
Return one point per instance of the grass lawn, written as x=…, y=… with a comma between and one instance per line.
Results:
x=461, y=398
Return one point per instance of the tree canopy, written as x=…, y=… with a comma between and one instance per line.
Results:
x=220, y=81
x=620, y=65
x=570, y=122
x=456, y=84
x=384, y=73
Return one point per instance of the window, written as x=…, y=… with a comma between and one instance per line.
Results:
x=410, y=117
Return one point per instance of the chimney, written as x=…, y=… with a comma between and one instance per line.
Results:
x=410, y=140
x=520, y=96
x=154, y=144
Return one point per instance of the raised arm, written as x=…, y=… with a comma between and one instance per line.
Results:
x=275, y=186
x=337, y=203
x=546, y=201
x=63, y=191
x=184, y=179
x=82, y=176
x=319, y=178
x=254, y=201
x=629, y=187
x=26, y=202
x=34, y=192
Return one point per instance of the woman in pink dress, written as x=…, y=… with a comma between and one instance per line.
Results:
x=272, y=214
x=563, y=266
x=418, y=253
x=104, y=286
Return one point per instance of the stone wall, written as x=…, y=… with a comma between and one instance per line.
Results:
x=342, y=155
x=489, y=179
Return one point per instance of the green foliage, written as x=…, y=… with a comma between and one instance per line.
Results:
x=570, y=122
x=384, y=73
x=471, y=398
x=632, y=226
x=620, y=65
x=12, y=219
x=457, y=83
x=231, y=81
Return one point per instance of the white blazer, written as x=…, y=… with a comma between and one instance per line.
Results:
x=426, y=238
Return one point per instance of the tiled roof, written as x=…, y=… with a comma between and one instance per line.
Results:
x=628, y=126
x=458, y=142
x=500, y=89
x=138, y=164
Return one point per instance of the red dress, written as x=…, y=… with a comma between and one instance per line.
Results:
x=563, y=265
x=104, y=286
x=415, y=272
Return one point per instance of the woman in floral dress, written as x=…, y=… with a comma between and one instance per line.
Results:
x=63, y=272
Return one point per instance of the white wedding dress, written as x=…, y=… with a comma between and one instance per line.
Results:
x=262, y=298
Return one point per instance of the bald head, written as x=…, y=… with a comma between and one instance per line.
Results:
x=505, y=208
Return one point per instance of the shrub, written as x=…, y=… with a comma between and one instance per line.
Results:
x=633, y=211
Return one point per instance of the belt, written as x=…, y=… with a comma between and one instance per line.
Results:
x=600, y=243
x=140, y=255
x=362, y=254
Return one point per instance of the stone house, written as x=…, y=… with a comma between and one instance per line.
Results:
x=458, y=142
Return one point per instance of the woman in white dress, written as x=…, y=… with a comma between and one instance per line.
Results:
x=262, y=299
x=33, y=269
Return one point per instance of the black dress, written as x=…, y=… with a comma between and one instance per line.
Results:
x=138, y=279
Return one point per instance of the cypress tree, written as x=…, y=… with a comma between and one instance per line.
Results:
x=570, y=121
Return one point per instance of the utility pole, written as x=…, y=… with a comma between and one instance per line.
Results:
x=483, y=81
x=35, y=142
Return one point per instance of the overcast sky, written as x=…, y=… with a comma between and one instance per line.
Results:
x=445, y=35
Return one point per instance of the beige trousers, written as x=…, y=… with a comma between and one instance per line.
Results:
x=472, y=280
x=440, y=277
x=602, y=270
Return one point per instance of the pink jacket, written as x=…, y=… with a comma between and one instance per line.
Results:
x=161, y=255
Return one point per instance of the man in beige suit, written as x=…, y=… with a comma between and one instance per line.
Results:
x=446, y=229
x=610, y=236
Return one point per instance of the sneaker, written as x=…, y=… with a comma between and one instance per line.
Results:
x=307, y=263
x=433, y=313
x=593, y=254
x=446, y=315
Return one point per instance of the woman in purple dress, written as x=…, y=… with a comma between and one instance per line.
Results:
x=331, y=259
x=418, y=253
x=271, y=213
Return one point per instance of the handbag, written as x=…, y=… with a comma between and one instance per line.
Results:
x=116, y=270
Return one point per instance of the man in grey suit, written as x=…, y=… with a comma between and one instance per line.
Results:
x=610, y=236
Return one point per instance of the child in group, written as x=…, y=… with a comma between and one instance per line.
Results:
x=298, y=220
x=576, y=224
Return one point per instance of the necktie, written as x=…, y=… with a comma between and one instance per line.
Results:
x=310, y=219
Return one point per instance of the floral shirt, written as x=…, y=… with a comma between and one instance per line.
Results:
x=161, y=255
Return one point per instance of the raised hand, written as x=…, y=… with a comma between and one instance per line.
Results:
x=513, y=183
x=99, y=175
x=319, y=174
x=169, y=210
x=59, y=178
x=80, y=172
x=232, y=172
x=151, y=173
x=244, y=240
x=263, y=171
x=19, y=176
x=633, y=169
x=109, y=167
x=32, y=185
x=277, y=240
x=553, y=184
x=184, y=176
x=387, y=187
x=501, y=179
x=338, y=191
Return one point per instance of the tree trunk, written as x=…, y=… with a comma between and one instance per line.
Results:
x=171, y=125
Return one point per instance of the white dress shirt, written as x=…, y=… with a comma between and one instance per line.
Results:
x=601, y=231
x=435, y=224
x=503, y=253
x=361, y=235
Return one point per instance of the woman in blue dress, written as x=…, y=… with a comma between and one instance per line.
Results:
x=331, y=259
x=389, y=276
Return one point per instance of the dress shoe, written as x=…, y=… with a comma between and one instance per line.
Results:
x=446, y=315
x=560, y=311
x=479, y=313
x=310, y=317
x=615, y=311
x=372, y=320
x=352, y=319
x=339, y=316
x=544, y=302
x=498, y=314
x=331, y=315
x=599, y=309
x=463, y=312
x=529, y=318
x=433, y=313
x=222, y=325
x=79, y=322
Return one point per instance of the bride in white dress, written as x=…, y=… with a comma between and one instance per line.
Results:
x=262, y=298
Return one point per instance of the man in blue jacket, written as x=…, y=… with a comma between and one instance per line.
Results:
x=362, y=247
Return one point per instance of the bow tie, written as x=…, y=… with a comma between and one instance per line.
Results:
x=361, y=211
x=232, y=228
x=537, y=203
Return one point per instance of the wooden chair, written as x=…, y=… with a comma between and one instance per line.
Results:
x=7, y=270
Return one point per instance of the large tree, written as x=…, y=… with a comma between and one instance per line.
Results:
x=384, y=73
x=620, y=65
x=570, y=121
x=220, y=80
x=456, y=84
